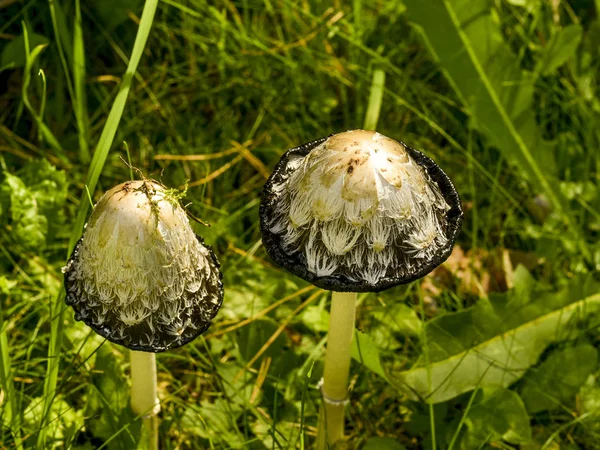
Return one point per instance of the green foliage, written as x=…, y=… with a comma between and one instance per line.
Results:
x=483, y=353
x=562, y=46
x=556, y=381
x=30, y=226
x=399, y=320
x=498, y=94
x=213, y=421
x=251, y=339
x=497, y=414
x=492, y=343
x=29, y=202
x=366, y=352
x=496, y=361
x=64, y=421
x=108, y=416
x=6, y=285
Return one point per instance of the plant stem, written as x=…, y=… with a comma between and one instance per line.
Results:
x=337, y=368
x=144, y=398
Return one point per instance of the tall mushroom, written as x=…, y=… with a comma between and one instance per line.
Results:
x=141, y=278
x=356, y=212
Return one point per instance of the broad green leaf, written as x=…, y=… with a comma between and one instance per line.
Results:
x=366, y=352
x=558, y=378
x=13, y=53
x=496, y=362
x=559, y=49
x=238, y=384
x=396, y=319
x=469, y=46
x=453, y=333
x=496, y=414
x=491, y=344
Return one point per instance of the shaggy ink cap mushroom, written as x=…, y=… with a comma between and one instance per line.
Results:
x=139, y=276
x=359, y=212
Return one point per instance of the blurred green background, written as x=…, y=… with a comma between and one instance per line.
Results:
x=497, y=348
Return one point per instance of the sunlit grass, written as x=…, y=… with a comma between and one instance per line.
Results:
x=217, y=93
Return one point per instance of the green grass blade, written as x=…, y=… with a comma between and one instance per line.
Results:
x=100, y=155
x=427, y=368
x=465, y=413
x=11, y=416
x=80, y=102
x=375, y=99
x=30, y=58
x=76, y=57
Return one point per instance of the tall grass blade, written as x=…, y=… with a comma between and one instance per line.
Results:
x=465, y=414
x=427, y=369
x=375, y=99
x=10, y=415
x=80, y=102
x=31, y=56
x=100, y=155
x=76, y=58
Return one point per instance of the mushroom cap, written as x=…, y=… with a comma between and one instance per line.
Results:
x=139, y=276
x=359, y=212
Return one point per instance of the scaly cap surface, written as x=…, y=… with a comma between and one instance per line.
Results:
x=358, y=211
x=139, y=276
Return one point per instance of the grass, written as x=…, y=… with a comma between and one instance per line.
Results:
x=211, y=94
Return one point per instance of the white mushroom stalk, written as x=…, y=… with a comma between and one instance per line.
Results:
x=141, y=278
x=356, y=212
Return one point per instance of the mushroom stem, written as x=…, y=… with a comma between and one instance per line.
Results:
x=337, y=368
x=144, y=398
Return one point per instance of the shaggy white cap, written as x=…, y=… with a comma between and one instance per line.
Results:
x=360, y=206
x=140, y=276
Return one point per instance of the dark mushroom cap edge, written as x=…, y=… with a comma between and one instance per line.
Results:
x=104, y=329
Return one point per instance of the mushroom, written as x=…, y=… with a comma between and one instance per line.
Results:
x=141, y=278
x=356, y=212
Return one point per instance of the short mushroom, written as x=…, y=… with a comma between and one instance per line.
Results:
x=141, y=278
x=356, y=212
